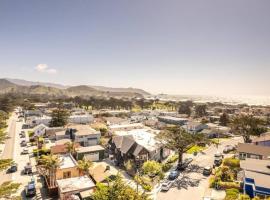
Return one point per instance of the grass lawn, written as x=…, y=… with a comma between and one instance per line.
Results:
x=195, y=149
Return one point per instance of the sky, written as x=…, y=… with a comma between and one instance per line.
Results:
x=206, y=47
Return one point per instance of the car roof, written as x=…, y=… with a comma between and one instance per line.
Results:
x=207, y=167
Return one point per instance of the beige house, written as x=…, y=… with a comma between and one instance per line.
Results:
x=68, y=167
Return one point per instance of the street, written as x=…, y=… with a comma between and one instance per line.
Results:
x=9, y=148
x=193, y=184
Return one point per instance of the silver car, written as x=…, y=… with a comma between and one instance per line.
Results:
x=165, y=186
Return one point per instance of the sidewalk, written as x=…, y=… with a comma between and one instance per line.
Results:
x=9, y=121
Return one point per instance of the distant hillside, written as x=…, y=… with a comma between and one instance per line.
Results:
x=82, y=90
x=30, y=83
x=128, y=90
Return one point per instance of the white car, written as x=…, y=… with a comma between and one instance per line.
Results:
x=165, y=186
x=25, y=151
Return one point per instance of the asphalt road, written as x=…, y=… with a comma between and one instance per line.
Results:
x=8, y=150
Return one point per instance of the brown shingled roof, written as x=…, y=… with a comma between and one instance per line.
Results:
x=253, y=149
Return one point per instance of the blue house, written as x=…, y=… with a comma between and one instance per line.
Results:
x=256, y=180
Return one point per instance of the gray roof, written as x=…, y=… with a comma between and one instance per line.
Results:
x=123, y=143
x=137, y=150
x=89, y=149
x=255, y=165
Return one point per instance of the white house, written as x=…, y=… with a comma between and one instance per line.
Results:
x=40, y=130
x=84, y=135
x=81, y=119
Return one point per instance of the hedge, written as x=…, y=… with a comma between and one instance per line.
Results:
x=231, y=162
x=232, y=194
x=42, y=151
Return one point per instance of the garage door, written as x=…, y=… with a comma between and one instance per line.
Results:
x=92, y=156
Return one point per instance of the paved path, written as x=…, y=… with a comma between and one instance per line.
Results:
x=8, y=150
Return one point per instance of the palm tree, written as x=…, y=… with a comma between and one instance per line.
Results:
x=71, y=147
x=84, y=165
x=51, y=163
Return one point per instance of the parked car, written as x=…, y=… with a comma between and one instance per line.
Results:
x=46, y=140
x=218, y=161
x=13, y=168
x=207, y=171
x=219, y=155
x=25, y=151
x=30, y=189
x=165, y=186
x=23, y=143
x=22, y=135
x=27, y=169
x=173, y=175
x=228, y=148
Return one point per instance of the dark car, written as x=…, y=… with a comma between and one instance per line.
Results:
x=30, y=189
x=218, y=161
x=27, y=169
x=13, y=168
x=23, y=143
x=22, y=135
x=173, y=175
x=207, y=171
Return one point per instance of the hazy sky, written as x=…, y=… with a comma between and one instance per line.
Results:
x=175, y=47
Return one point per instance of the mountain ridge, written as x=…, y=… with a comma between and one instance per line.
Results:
x=31, y=87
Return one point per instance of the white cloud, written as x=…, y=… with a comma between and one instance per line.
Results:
x=44, y=68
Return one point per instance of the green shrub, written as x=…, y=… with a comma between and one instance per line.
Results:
x=166, y=167
x=172, y=159
x=244, y=197
x=30, y=134
x=232, y=194
x=231, y=162
x=41, y=152
x=212, y=182
x=151, y=167
x=228, y=185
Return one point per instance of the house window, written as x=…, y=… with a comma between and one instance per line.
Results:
x=92, y=138
x=66, y=174
x=254, y=156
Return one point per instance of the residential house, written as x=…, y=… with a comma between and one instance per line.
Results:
x=61, y=148
x=138, y=145
x=100, y=173
x=67, y=188
x=84, y=135
x=125, y=127
x=115, y=120
x=36, y=120
x=68, y=167
x=63, y=134
x=194, y=127
x=40, y=130
x=247, y=150
x=256, y=177
x=31, y=113
x=263, y=140
x=92, y=153
x=173, y=120
x=80, y=118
